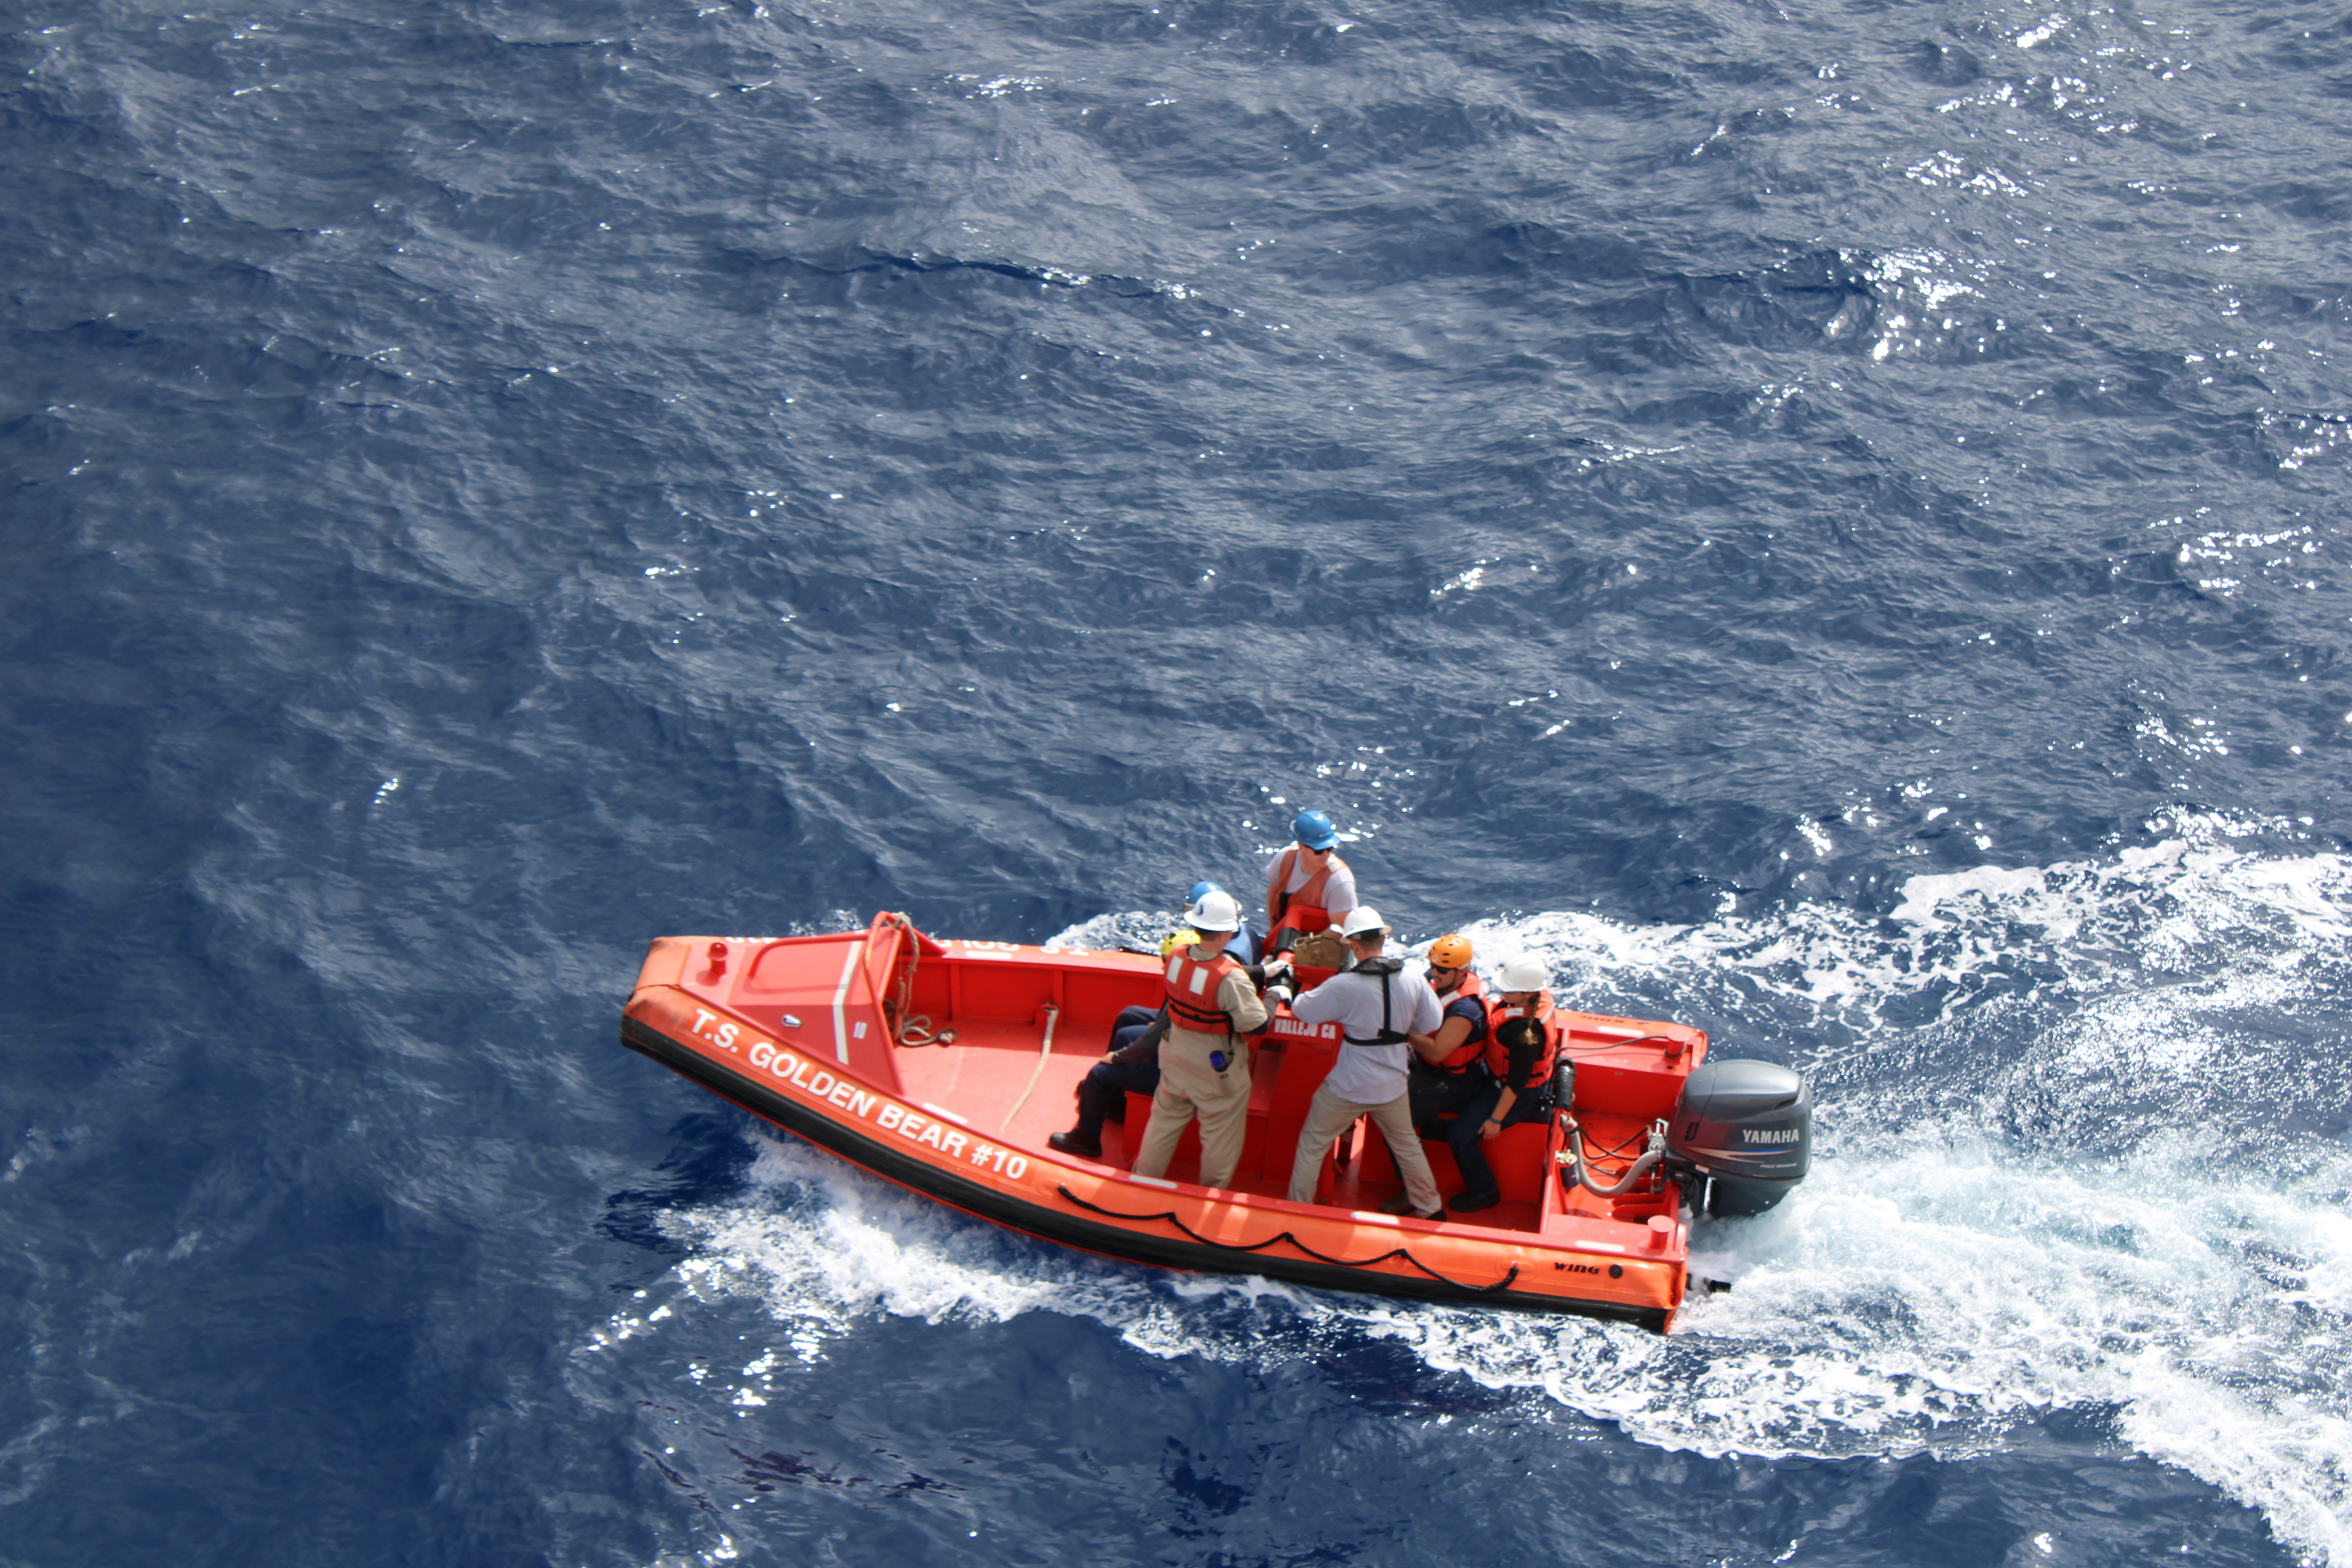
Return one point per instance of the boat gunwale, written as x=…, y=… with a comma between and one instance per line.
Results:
x=941, y=1181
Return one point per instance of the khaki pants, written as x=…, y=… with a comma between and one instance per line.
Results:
x=1328, y=1115
x=1190, y=1086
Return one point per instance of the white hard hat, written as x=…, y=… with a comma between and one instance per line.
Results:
x=1362, y=920
x=1525, y=973
x=1214, y=911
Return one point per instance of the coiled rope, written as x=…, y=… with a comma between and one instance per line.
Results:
x=913, y=1029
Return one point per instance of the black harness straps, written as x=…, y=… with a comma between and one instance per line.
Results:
x=1383, y=968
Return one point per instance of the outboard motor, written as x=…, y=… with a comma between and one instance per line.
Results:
x=1743, y=1130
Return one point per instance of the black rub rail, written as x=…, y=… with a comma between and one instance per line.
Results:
x=1111, y=1240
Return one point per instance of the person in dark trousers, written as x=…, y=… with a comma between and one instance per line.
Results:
x=1131, y=1066
x=1447, y=1067
x=1522, y=1046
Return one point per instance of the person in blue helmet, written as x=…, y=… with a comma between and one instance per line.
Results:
x=1309, y=876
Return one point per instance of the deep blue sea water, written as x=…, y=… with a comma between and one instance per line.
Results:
x=1827, y=522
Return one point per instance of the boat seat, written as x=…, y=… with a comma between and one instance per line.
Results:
x=1303, y=1066
x=1520, y=1155
x=1309, y=976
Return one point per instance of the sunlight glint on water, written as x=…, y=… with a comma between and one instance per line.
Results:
x=1933, y=1282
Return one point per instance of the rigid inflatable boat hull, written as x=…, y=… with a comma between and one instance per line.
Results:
x=811, y=1035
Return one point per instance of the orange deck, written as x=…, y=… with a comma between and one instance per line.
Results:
x=837, y=1038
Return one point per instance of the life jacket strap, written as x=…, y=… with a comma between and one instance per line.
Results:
x=1216, y=1022
x=1383, y=967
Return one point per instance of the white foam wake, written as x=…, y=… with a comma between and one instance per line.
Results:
x=2049, y=1189
x=1925, y=1298
x=1902, y=1300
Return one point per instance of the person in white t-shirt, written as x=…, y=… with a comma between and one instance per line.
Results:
x=1377, y=1006
x=1309, y=874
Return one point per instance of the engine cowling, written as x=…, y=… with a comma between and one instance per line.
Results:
x=1743, y=1130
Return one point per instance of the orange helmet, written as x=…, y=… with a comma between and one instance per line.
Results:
x=1450, y=952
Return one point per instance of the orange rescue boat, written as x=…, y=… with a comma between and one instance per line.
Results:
x=944, y=1066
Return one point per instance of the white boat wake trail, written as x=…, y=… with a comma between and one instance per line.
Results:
x=2082, y=1146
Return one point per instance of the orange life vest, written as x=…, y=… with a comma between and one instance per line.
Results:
x=1471, y=1049
x=1498, y=1056
x=1192, y=988
x=1280, y=900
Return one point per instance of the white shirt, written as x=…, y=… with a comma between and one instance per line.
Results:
x=1339, y=893
x=1370, y=1075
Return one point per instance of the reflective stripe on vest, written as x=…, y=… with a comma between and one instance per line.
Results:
x=1192, y=988
x=1498, y=1056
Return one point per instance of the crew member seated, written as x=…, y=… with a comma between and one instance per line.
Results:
x=1523, y=1040
x=1309, y=876
x=1448, y=1067
x=1129, y=1066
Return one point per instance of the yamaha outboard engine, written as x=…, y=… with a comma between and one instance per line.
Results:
x=1743, y=1132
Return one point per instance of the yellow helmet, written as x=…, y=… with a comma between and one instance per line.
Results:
x=1450, y=952
x=1176, y=939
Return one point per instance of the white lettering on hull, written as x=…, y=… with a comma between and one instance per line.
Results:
x=937, y=1131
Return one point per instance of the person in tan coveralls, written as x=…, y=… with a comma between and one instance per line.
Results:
x=1205, y=1067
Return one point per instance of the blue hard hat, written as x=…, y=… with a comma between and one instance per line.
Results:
x=1314, y=829
x=1201, y=891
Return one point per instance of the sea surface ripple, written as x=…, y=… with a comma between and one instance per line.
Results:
x=1822, y=521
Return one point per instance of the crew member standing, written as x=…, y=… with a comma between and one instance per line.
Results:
x=1131, y=1065
x=1204, y=1059
x=1377, y=1007
x=1243, y=943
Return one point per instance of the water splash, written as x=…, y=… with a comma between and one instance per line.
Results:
x=2110, y=1183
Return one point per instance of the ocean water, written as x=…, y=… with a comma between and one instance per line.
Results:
x=1827, y=522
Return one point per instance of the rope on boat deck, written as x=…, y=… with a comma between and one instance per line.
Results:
x=915, y=1029
x=1170, y=1215
x=1045, y=1052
